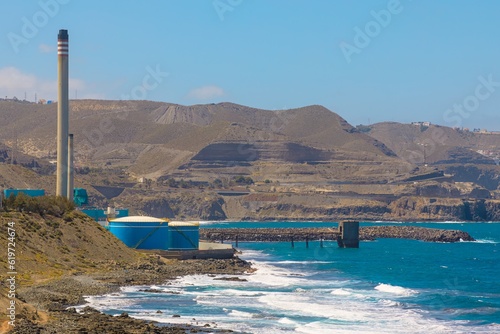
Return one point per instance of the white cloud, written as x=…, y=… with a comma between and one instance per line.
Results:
x=206, y=92
x=45, y=48
x=11, y=80
x=14, y=82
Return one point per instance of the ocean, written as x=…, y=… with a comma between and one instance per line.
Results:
x=385, y=286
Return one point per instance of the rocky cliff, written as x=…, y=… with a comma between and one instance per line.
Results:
x=196, y=206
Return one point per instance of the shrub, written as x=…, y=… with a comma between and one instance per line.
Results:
x=52, y=205
x=243, y=180
x=363, y=128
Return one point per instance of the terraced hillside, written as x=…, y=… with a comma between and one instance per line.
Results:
x=468, y=156
x=227, y=161
x=152, y=139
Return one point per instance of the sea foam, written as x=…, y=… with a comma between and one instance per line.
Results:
x=394, y=289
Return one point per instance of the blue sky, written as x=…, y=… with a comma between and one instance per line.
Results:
x=369, y=61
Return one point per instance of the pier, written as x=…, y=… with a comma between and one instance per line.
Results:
x=307, y=235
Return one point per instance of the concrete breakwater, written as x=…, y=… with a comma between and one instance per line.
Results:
x=416, y=233
x=302, y=234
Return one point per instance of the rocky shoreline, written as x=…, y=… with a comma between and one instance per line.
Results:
x=48, y=305
x=302, y=234
x=53, y=300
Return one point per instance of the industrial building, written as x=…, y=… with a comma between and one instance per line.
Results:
x=101, y=215
x=28, y=192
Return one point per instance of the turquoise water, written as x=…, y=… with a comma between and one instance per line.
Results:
x=385, y=286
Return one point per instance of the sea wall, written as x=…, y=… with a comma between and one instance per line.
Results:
x=415, y=233
x=302, y=234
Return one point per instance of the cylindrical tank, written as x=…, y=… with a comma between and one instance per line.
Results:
x=183, y=235
x=141, y=232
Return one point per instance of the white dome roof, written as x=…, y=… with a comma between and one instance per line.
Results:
x=139, y=219
x=177, y=223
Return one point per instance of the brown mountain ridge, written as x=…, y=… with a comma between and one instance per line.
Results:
x=183, y=161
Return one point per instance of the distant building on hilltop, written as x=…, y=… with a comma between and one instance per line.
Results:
x=421, y=123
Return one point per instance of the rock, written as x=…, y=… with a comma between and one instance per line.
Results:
x=152, y=290
x=90, y=310
x=231, y=279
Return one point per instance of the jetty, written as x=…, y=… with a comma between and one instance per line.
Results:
x=333, y=233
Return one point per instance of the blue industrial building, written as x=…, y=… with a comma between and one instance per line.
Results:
x=99, y=214
x=28, y=192
x=80, y=197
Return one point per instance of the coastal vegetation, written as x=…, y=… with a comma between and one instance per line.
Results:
x=43, y=205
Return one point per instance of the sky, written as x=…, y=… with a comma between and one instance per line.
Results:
x=369, y=61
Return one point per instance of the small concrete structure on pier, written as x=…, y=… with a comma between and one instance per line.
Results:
x=348, y=234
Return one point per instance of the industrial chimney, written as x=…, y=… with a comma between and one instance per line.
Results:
x=62, y=113
x=71, y=175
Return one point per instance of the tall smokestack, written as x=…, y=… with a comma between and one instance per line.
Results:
x=62, y=113
x=70, y=167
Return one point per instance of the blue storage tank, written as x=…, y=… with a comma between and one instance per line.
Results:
x=183, y=235
x=141, y=232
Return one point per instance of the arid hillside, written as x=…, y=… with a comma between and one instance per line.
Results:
x=439, y=144
x=470, y=156
x=151, y=139
x=227, y=161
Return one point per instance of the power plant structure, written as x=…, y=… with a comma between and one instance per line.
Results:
x=63, y=156
x=71, y=175
x=177, y=239
x=159, y=235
